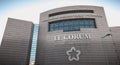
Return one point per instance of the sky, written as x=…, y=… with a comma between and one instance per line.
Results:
x=30, y=10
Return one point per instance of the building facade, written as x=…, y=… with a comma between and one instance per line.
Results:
x=16, y=44
x=75, y=35
x=116, y=39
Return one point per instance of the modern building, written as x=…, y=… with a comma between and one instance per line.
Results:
x=16, y=44
x=76, y=35
x=115, y=31
x=73, y=35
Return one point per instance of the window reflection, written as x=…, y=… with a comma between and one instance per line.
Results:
x=72, y=25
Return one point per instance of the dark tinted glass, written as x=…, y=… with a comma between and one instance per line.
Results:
x=72, y=11
x=72, y=25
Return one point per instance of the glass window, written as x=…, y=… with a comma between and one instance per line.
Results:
x=72, y=25
x=71, y=11
x=34, y=42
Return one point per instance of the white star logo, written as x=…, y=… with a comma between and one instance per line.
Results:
x=73, y=54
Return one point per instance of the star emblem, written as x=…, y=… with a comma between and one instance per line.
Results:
x=73, y=54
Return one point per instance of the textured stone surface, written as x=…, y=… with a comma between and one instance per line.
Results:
x=16, y=43
x=98, y=50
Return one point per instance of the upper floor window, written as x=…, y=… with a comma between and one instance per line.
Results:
x=71, y=11
x=72, y=24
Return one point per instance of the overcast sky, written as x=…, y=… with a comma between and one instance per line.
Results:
x=30, y=9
